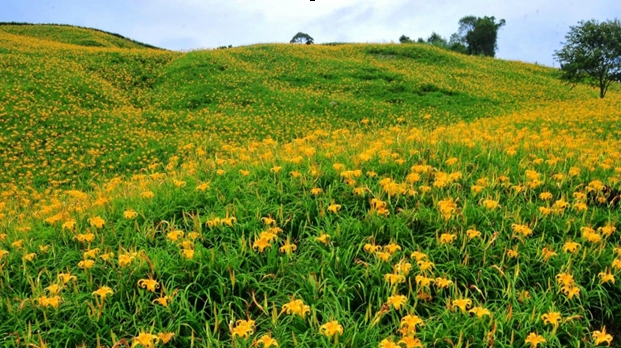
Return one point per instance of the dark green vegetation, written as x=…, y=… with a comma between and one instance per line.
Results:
x=592, y=54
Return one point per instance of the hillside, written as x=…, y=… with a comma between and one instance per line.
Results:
x=308, y=196
x=92, y=95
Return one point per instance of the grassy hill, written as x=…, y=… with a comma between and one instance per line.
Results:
x=320, y=196
x=117, y=110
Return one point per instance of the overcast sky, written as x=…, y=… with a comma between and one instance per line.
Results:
x=533, y=31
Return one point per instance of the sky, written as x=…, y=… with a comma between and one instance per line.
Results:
x=534, y=28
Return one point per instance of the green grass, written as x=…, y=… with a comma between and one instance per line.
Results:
x=89, y=135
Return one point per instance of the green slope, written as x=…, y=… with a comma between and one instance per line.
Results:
x=73, y=111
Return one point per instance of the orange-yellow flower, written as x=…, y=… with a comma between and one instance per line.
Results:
x=296, y=307
x=150, y=284
x=103, y=292
x=243, y=328
x=534, y=339
x=397, y=301
x=601, y=336
x=331, y=328
x=267, y=341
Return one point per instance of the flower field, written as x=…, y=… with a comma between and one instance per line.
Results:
x=281, y=196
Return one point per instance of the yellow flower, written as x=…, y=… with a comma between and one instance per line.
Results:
x=524, y=230
x=570, y=247
x=601, y=337
x=53, y=301
x=296, y=307
x=371, y=248
x=334, y=208
x=175, y=235
x=382, y=255
x=323, y=238
x=480, y=311
x=188, y=253
x=397, y=301
x=130, y=214
x=66, y=277
x=54, y=289
x=546, y=196
x=268, y=221
x=386, y=343
x=393, y=279
x=87, y=237
x=164, y=301
x=103, y=292
x=442, y=283
x=86, y=264
x=418, y=255
x=425, y=265
x=150, y=284
x=570, y=291
x=97, y=222
x=203, y=186
x=267, y=341
x=29, y=257
x=547, y=253
x=534, y=339
x=244, y=172
x=331, y=328
x=411, y=342
x=552, y=318
x=165, y=336
x=423, y=281
x=616, y=263
x=91, y=254
x=316, y=191
x=261, y=244
x=473, y=233
x=288, y=247
x=607, y=277
x=490, y=204
x=447, y=238
x=69, y=225
x=243, y=328
x=146, y=340
x=409, y=323
x=392, y=247
x=17, y=244
x=126, y=259
x=463, y=304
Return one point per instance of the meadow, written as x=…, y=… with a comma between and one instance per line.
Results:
x=312, y=196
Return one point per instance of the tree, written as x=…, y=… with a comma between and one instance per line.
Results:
x=302, y=38
x=436, y=39
x=405, y=39
x=478, y=35
x=592, y=54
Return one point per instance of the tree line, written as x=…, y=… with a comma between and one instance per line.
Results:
x=475, y=36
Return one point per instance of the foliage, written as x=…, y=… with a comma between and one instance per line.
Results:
x=302, y=38
x=592, y=54
x=479, y=34
x=442, y=199
x=405, y=39
x=436, y=39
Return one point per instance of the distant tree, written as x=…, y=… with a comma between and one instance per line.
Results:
x=592, y=54
x=302, y=38
x=405, y=39
x=420, y=40
x=456, y=44
x=437, y=40
x=479, y=35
